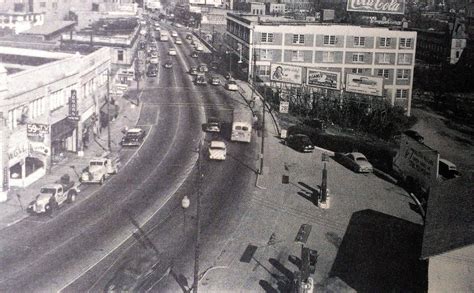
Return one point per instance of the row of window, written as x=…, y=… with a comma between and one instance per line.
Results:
x=299, y=39
x=330, y=56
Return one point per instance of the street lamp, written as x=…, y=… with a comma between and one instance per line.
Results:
x=185, y=202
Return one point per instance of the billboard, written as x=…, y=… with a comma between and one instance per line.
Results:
x=73, y=114
x=324, y=79
x=367, y=85
x=377, y=6
x=286, y=73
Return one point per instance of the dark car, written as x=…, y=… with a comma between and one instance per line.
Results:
x=415, y=135
x=193, y=70
x=201, y=79
x=213, y=125
x=300, y=142
x=194, y=55
x=169, y=64
x=133, y=137
x=315, y=124
x=152, y=71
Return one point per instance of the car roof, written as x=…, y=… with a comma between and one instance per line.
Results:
x=217, y=143
x=357, y=155
x=131, y=130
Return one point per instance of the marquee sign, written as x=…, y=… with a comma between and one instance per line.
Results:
x=377, y=6
x=73, y=115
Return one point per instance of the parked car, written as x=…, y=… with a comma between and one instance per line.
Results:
x=414, y=134
x=178, y=42
x=217, y=150
x=194, y=55
x=174, y=34
x=228, y=75
x=189, y=36
x=199, y=48
x=193, y=70
x=215, y=80
x=133, y=137
x=300, y=142
x=231, y=85
x=355, y=161
x=213, y=125
x=172, y=52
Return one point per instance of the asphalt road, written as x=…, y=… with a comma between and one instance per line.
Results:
x=83, y=246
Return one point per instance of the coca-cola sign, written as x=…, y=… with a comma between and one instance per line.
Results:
x=377, y=6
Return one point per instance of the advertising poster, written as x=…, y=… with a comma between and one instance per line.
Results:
x=367, y=85
x=286, y=73
x=324, y=79
x=377, y=6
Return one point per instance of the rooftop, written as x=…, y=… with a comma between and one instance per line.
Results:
x=450, y=218
x=50, y=27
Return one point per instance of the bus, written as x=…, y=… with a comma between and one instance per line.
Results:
x=164, y=36
x=241, y=126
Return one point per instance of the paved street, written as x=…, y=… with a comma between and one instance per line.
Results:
x=135, y=219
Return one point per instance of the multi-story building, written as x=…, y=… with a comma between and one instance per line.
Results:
x=47, y=109
x=343, y=49
x=120, y=34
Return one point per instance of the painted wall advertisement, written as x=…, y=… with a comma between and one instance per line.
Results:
x=367, y=85
x=377, y=6
x=324, y=79
x=286, y=73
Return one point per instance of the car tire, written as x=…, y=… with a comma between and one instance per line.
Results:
x=48, y=209
x=71, y=196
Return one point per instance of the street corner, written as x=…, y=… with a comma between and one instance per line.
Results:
x=13, y=209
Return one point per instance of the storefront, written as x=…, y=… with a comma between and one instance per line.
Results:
x=63, y=139
x=27, y=158
x=87, y=127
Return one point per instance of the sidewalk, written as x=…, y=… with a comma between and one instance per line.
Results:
x=276, y=211
x=14, y=209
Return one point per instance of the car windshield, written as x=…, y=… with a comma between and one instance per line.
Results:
x=96, y=163
x=361, y=159
x=133, y=135
x=217, y=148
x=305, y=139
x=48, y=190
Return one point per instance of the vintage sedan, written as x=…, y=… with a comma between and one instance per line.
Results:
x=355, y=161
x=133, y=137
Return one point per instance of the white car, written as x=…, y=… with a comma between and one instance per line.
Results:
x=172, y=52
x=154, y=60
x=174, y=34
x=232, y=86
x=199, y=48
x=217, y=150
x=178, y=42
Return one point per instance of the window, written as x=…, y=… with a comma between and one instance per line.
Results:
x=297, y=56
x=404, y=58
x=385, y=42
x=403, y=73
x=54, y=5
x=266, y=54
x=359, y=41
x=329, y=40
x=328, y=56
x=358, y=57
x=298, y=39
x=357, y=70
x=383, y=73
x=384, y=58
x=458, y=54
x=120, y=55
x=405, y=43
x=263, y=70
x=385, y=93
x=267, y=38
x=458, y=43
x=42, y=4
x=401, y=94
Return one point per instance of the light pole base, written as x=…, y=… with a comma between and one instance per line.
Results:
x=3, y=196
x=325, y=205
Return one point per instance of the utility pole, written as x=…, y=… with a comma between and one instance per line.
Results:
x=137, y=75
x=198, y=223
x=108, y=111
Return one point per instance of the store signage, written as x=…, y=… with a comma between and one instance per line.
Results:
x=367, y=85
x=377, y=6
x=286, y=73
x=37, y=129
x=324, y=79
x=21, y=150
x=73, y=115
x=39, y=148
x=284, y=107
x=5, y=178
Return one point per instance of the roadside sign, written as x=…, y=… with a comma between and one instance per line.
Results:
x=324, y=157
x=284, y=107
x=283, y=133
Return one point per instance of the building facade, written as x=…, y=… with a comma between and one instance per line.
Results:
x=342, y=49
x=49, y=111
